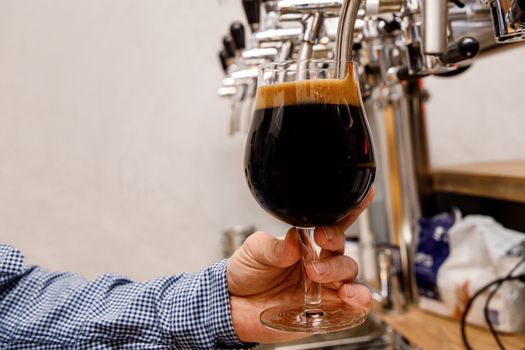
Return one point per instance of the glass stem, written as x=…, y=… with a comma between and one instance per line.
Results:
x=309, y=251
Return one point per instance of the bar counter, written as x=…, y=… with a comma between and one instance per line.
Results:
x=431, y=332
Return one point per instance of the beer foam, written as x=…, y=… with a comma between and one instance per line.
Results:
x=323, y=91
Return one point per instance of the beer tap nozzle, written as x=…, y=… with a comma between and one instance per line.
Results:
x=345, y=35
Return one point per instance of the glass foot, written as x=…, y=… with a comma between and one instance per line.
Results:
x=324, y=318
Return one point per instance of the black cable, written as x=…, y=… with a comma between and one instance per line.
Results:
x=474, y=297
x=489, y=299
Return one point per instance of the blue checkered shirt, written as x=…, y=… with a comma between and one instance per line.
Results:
x=45, y=310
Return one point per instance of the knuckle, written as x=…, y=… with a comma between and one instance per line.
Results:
x=350, y=266
x=257, y=237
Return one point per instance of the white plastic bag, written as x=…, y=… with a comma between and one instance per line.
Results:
x=481, y=251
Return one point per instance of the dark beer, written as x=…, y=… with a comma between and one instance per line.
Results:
x=309, y=164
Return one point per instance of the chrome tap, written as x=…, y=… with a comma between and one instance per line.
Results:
x=391, y=294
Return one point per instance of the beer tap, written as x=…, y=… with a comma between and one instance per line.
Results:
x=240, y=84
x=440, y=57
x=223, y=59
x=227, y=90
x=238, y=36
x=252, y=10
x=314, y=13
x=229, y=48
x=233, y=88
x=249, y=85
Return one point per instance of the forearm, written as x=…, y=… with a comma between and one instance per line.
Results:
x=183, y=311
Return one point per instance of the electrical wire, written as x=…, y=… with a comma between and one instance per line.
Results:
x=487, y=303
x=497, y=282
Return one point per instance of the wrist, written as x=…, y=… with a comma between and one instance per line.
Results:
x=242, y=317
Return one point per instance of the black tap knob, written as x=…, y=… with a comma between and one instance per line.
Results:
x=229, y=46
x=458, y=3
x=237, y=33
x=392, y=26
x=223, y=58
x=462, y=49
x=252, y=9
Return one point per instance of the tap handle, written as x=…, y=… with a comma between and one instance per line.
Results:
x=462, y=49
x=229, y=46
x=252, y=9
x=237, y=33
x=223, y=58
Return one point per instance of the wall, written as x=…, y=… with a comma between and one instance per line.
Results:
x=113, y=146
x=478, y=116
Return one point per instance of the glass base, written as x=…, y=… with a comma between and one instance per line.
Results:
x=324, y=318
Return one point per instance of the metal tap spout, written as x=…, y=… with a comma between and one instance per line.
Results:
x=345, y=35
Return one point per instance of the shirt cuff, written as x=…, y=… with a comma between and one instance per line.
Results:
x=226, y=336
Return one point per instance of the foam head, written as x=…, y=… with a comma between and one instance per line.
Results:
x=314, y=91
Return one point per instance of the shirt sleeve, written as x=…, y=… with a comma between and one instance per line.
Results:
x=45, y=310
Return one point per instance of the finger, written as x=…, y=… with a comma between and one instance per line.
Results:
x=345, y=223
x=336, y=268
x=356, y=295
x=330, y=238
x=271, y=251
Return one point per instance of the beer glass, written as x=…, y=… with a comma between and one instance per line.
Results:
x=309, y=162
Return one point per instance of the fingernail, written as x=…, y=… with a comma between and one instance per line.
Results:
x=329, y=233
x=320, y=267
x=350, y=291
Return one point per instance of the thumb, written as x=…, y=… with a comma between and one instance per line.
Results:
x=274, y=252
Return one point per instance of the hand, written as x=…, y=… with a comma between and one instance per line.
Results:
x=267, y=271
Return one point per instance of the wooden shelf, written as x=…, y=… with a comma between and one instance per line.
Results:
x=498, y=180
x=431, y=332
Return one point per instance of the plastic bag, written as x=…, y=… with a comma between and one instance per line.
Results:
x=481, y=251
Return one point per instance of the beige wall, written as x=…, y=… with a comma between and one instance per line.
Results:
x=113, y=146
x=479, y=115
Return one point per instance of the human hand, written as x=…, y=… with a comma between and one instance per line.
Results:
x=267, y=271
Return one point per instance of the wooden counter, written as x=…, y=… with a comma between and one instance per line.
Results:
x=498, y=180
x=431, y=332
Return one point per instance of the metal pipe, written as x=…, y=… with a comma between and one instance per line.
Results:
x=260, y=53
x=345, y=36
x=435, y=26
x=311, y=33
x=328, y=7
x=281, y=34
